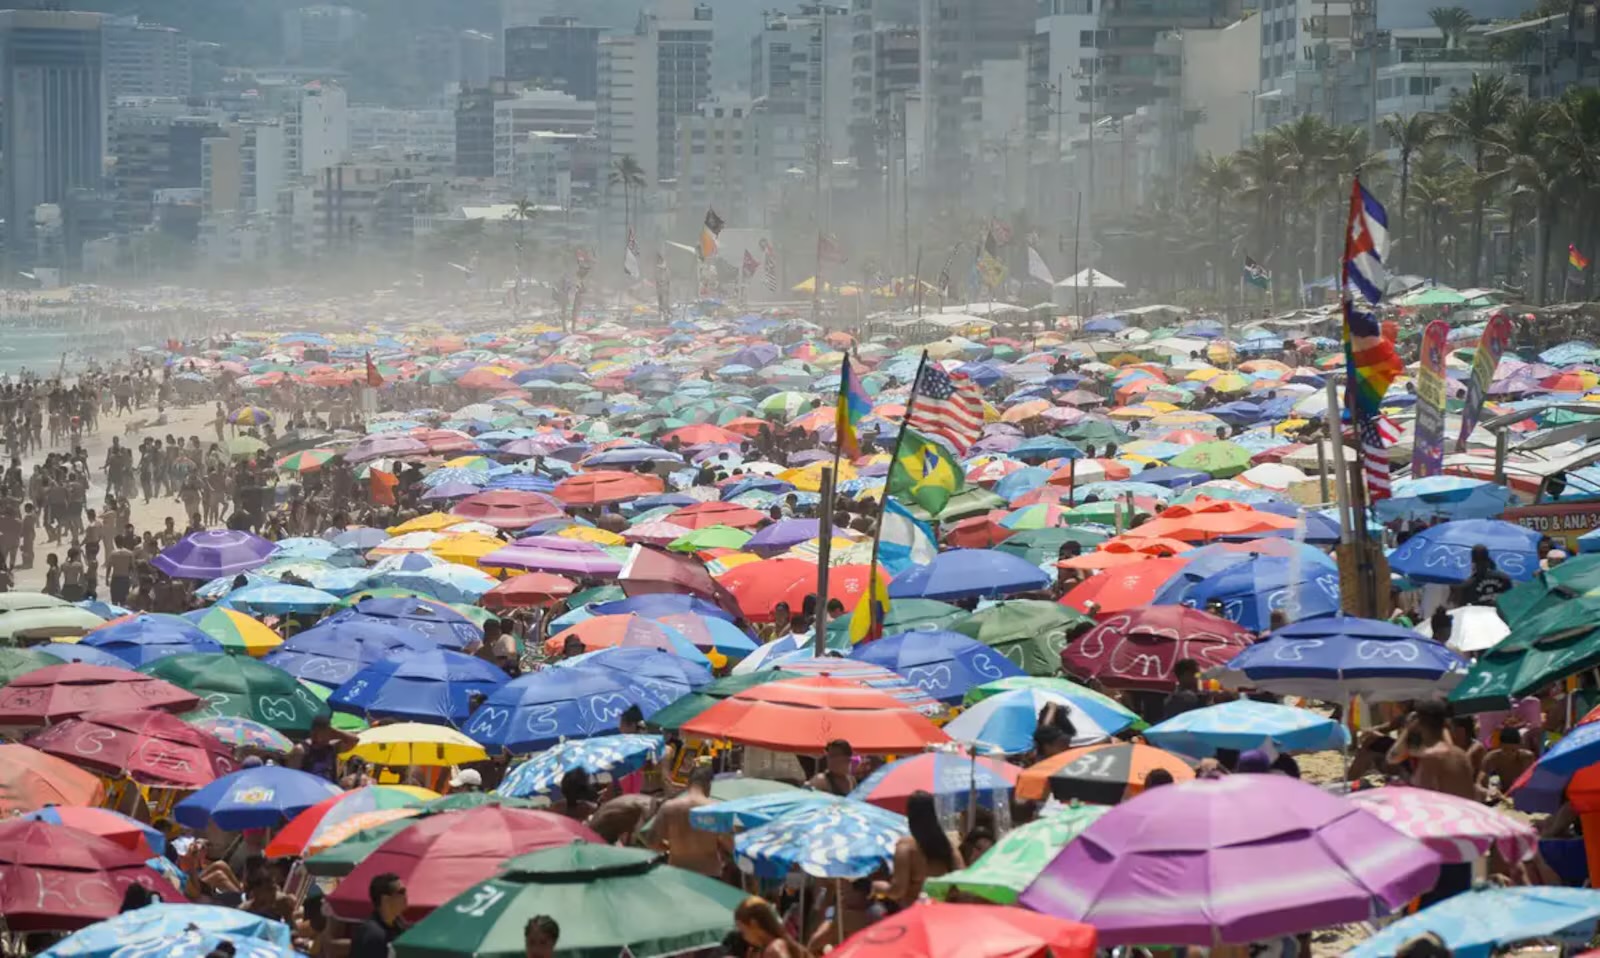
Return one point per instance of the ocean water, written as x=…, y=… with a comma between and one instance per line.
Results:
x=27, y=343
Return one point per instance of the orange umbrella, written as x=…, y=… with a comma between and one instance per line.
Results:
x=1115, y=773
x=528, y=589
x=804, y=715
x=30, y=779
x=1201, y=526
x=1024, y=411
x=703, y=514
x=759, y=586
x=747, y=426
x=704, y=433
x=1124, y=588
x=1122, y=551
x=605, y=485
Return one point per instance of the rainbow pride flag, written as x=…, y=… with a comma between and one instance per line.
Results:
x=854, y=404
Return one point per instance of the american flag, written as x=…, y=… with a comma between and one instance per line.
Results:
x=1375, y=440
x=771, y=265
x=947, y=405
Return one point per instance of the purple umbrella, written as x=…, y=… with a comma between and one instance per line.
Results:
x=558, y=544
x=1236, y=860
x=541, y=445
x=385, y=445
x=451, y=490
x=782, y=535
x=208, y=555
x=596, y=564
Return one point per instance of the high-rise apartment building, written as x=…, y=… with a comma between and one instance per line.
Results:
x=144, y=59
x=320, y=35
x=681, y=32
x=960, y=36
x=626, y=101
x=558, y=53
x=536, y=111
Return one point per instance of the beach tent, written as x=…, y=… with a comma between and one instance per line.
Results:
x=1090, y=278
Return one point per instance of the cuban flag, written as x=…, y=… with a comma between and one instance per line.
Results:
x=1367, y=246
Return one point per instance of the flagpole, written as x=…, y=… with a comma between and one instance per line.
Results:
x=916, y=278
x=883, y=499
x=816, y=285
x=1365, y=600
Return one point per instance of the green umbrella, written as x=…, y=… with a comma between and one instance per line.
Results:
x=343, y=721
x=1578, y=576
x=600, y=593
x=15, y=662
x=1001, y=873
x=1432, y=296
x=903, y=616
x=727, y=789
x=1221, y=460
x=609, y=901
x=710, y=537
x=1094, y=431
x=16, y=601
x=1029, y=632
x=786, y=405
x=1044, y=545
x=971, y=501
x=240, y=686
x=1104, y=512
x=385, y=592
x=1561, y=641
x=691, y=705
x=1060, y=686
x=61, y=621
x=342, y=859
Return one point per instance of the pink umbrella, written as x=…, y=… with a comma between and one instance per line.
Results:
x=385, y=445
x=507, y=508
x=1459, y=830
x=1230, y=861
x=562, y=562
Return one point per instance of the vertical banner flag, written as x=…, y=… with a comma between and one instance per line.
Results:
x=1371, y=362
x=770, y=265
x=750, y=265
x=1257, y=275
x=374, y=378
x=829, y=250
x=1491, y=346
x=1037, y=268
x=1427, y=456
x=630, y=256
x=709, y=233
x=1576, y=259
x=854, y=404
x=989, y=265
x=663, y=288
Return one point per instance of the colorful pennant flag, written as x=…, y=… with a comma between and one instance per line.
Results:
x=1371, y=362
x=1576, y=259
x=630, y=256
x=709, y=233
x=1257, y=275
x=853, y=406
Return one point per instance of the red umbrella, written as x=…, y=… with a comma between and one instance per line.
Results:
x=442, y=856
x=58, y=692
x=605, y=485
x=978, y=532
x=155, y=748
x=760, y=586
x=1128, y=587
x=1137, y=648
x=55, y=878
x=528, y=589
x=113, y=826
x=446, y=440
x=943, y=930
x=508, y=508
x=703, y=514
x=30, y=779
x=703, y=434
x=804, y=715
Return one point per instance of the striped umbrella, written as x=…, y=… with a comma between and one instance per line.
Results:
x=606, y=757
x=843, y=840
x=1459, y=830
x=1011, y=865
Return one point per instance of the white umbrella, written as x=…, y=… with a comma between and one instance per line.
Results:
x=1476, y=628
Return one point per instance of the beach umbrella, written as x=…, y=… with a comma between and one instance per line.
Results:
x=262, y=797
x=1139, y=648
x=949, y=777
x=758, y=587
x=441, y=856
x=235, y=631
x=18, y=601
x=31, y=779
x=130, y=833
x=1017, y=857
x=943, y=664
x=944, y=930
x=1460, y=831
x=242, y=686
x=1124, y=588
x=153, y=748
x=277, y=598
x=1029, y=632
x=1480, y=922
x=626, y=631
x=56, y=878
x=587, y=563
x=333, y=650
x=1005, y=723
x=308, y=828
x=1476, y=628
x=58, y=692
x=306, y=460
x=611, y=901
x=1040, y=546
x=1334, y=657
x=1241, y=859
x=707, y=632
x=416, y=743
x=15, y=662
x=47, y=623
x=428, y=618
x=145, y=638
x=1099, y=774
x=903, y=616
x=600, y=486
x=968, y=573
x=1249, y=592
x=207, y=555
x=236, y=732
x=804, y=714
x=1219, y=460
x=604, y=758
x=144, y=931
x=837, y=840
x=1246, y=724
x=729, y=815
x=1444, y=497
x=1443, y=553
x=535, y=711
x=507, y=509
x=529, y=590
x=684, y=707
x=427, y=687
x=1106, y=711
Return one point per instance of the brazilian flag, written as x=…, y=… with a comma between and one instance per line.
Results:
x=924, y=472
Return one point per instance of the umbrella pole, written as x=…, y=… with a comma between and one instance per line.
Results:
x=825, y=551
x=972, y=788
x=838, y=910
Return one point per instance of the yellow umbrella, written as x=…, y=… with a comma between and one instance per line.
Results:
x=469, y=461
x=1229, y=383
x=1025, y=410
x=1184, y=418
x=1221, y=353
x=1288, y=426
x=1139, y=411
x=809, y=478
x=1140, y=460
x=466, y=549
x=235, y=630
x=413, y=743
x=1204, y=375
x=600, y=537
x=432, y=522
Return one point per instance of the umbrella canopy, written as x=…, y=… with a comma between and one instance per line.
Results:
x=260, y=797
x=306, y=828
x=945, y=665
x=507, y=508
x=57, y=878
x=1099, y=774
x=603, y=758
x=535, y=711
x=1337, y=656
x=948, y=776
x=235, y=631
x=207, y=555
x=1478, y=923
x=335, y=649
x=1029, y=632
x=611, y=901
x=1006, y=722
x=1443, y=553
x=141, y=639
x=30, y=779
x=428, y=618
x=602, y=486
x=836, y=840
x=428, y=687
x=414, y=743
x=1125, y=587
x=968, y=573
x=1241, y=859
x=748, y=811
x=15, y=662
x=443, y=855
x=47, y=623
x=1245, y=724
x=130, y=833
x=156, y=925
x=943, y=930
x=236, y=732
x=1138, y=648
x=1016, y=859
x=241, y=686
x=154, y=748
x=1458, y=830
x=58, y=692
x=804, y=715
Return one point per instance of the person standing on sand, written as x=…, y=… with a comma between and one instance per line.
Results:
x=687, y=846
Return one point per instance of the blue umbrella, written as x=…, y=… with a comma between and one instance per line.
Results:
x=1246, y=724
x=1250, y=591
x=450, y=582
x=305, y=547
x=1006, y=722
x=533, y=712
x=75, y=652
x=339, y=581
x=709, y=632
x=968, y=573
x=103, y=609
x=194, y=944
x=434, y=620
x=431, y=687
x=1040, y=448
x=1443, y=553
x=162, y=922
x=942, y=664
x=406, y=562
x=741, y=814
x=652, y=605
x=1337, y=656
x=607, y=757
x=1444, y=497
x=782, y=535
x=450, y=490
x=261, y=797
x=841, y=840
x=360, y=539
x=145, y=638
x=1022, y=481
x=655, y=669
x=1172, y=477
x=330, y=652
x=279, y=599
x=630, y=457
x=1476, y=923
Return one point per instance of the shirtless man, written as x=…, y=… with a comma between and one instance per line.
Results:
x=1506, y=763
x=835, y=777
x=1441, y=764
x=685, y=845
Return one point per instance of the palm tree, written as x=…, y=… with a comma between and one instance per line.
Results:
x=1514, y=148
x=522, y=211
x=1407, y=135
x=627, y=173
x=1469, y=122
x=1220, y=178
x=1575, y=134
x=1453, y=22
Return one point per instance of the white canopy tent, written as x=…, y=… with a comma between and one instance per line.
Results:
x=1090, y=278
